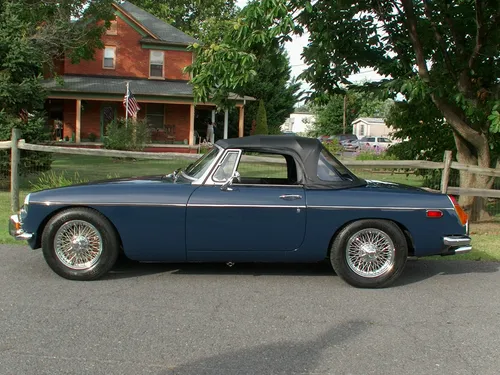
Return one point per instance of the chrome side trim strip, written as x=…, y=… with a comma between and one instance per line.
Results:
x=138, y=204
x=133, y=204
x=247, y=205
x=376, y=208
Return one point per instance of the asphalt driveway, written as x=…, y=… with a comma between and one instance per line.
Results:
x=440, y=318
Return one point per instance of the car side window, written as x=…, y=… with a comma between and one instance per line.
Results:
x=225, y=169
x=273, y=169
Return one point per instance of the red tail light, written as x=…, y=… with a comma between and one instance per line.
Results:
x=434, y=214
x=462, y=215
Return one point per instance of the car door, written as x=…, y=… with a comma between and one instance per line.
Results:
x=245, y=216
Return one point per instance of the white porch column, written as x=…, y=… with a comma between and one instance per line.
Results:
x=241, y=122
x=226, y=123
x=213, y=116
x=78, y=123
x=191, y=125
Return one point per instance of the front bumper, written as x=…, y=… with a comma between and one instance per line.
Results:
x=456, y=245
x=16, y=230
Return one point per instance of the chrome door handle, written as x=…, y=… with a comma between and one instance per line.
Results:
x=290, y=197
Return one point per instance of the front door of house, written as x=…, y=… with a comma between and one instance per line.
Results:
x=108, y=115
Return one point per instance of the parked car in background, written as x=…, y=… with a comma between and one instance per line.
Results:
x=274, y=199
x=381, y=143
x=350, y=144
x=345, y=137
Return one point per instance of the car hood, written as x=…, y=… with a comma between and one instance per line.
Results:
x=132, y=189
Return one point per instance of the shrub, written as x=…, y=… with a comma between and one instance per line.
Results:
x=375, y=154
x=51, y=180
x=333, y=146
x=32, y=131
x=261, y=124
x=129, y=137
x=92, y=137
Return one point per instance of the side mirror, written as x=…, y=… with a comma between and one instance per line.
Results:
x=229, y=182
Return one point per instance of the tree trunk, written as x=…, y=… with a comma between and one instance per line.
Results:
x=475, y=206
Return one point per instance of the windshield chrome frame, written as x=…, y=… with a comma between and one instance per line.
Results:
x=209, y=169
x=210, y=180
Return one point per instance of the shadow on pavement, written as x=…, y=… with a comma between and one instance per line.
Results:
x=276, y=358
x=127, y=268
x=417, y=270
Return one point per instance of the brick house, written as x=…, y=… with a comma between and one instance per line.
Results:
x=150, y=55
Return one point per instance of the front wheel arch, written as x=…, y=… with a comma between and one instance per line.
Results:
x=45, y=221
x=80, y=243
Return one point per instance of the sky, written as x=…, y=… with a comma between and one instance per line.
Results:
x=295, y=48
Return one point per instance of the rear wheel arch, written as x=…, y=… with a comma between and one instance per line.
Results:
x=369, y=253
x=404, y=229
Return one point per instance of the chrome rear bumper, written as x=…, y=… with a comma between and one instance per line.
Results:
x=16, y=230
x=456, y=245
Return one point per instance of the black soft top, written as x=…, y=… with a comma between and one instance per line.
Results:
x=306, y=153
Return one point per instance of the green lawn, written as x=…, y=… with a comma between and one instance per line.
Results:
x=486, y=237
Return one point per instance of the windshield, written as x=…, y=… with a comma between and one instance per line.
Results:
x=199, y=167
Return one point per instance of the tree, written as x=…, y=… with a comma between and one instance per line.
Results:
x=202, y=19
x=425, y=136
x=274, y=86
x=330, y=116
x=33, y=34
x=445, y=51
x=212, y=21
x=261, y=122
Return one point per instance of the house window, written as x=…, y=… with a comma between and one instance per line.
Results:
x=109, y=58
x=155, y=114
x=361, y=130
x=113, y=29
x=156, y=64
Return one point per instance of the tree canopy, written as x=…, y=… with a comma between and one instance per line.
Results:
x=202, y=19
x=34, y=34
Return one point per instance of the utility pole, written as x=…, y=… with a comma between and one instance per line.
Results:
x=345, y=116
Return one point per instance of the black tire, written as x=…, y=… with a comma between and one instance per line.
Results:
x=389, y=271
x=110, y=245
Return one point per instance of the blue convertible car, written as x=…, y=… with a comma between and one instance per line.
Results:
x=250, y=199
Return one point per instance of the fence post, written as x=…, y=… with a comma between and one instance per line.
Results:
x=445, y=176
x=15, y=159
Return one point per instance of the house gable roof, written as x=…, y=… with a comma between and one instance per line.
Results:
x=158, y=29
x=370, y=120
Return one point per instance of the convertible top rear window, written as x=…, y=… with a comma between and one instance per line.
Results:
x=329, y=169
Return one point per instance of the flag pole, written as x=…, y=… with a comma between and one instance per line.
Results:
x=126, y=106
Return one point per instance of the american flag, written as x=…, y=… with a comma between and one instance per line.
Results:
x=130, y=103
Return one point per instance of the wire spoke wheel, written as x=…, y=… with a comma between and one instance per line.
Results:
x=370, y=253
x=78, y=245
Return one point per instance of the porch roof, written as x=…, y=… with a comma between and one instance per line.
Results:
x=141, y=88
